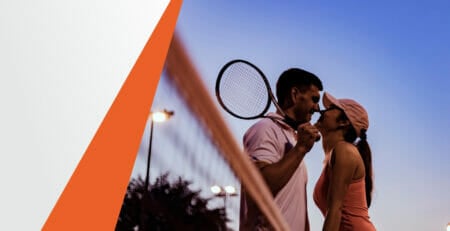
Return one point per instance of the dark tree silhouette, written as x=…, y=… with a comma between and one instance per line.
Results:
x=166, y=206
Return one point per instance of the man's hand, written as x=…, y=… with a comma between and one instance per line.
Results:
x=307, y=134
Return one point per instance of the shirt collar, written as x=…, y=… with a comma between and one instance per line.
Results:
x=279, y=119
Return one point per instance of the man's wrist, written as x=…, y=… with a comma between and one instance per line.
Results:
x=300, y=150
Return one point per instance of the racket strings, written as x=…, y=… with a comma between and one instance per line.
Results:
x=243, y=90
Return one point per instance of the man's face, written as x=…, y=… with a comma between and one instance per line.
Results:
x=306, y=103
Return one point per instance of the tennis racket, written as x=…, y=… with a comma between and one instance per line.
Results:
x=243, y=90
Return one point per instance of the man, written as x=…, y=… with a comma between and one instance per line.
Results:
x=278, y=150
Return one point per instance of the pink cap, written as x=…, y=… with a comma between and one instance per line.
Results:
x=353, y=110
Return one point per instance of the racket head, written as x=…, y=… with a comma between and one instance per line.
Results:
x=243, y=90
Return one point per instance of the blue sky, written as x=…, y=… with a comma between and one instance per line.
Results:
x=393, y=57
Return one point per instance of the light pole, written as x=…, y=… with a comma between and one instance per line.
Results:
x=157, y=116
x=227, y=191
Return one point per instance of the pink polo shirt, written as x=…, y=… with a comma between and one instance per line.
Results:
x=268, y=141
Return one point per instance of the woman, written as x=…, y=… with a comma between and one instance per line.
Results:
x=343, y=191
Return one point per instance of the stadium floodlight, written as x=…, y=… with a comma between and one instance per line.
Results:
x=156, y=116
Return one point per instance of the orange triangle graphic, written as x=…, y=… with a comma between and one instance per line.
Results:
x=94, y=194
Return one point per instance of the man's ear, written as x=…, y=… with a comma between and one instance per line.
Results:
x=294, y=94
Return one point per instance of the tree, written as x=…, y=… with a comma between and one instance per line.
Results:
x=166, y=206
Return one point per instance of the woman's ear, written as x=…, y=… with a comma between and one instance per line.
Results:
x=343, y=123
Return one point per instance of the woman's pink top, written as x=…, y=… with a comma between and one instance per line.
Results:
x=355, y=214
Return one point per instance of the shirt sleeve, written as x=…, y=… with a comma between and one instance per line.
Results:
x=261, y=142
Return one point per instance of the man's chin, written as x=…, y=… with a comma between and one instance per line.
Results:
x=308, y=118
x=305, y=120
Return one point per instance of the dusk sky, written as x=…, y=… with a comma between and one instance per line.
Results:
x=391, y=56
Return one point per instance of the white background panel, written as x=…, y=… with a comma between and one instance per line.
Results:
x=61, y=65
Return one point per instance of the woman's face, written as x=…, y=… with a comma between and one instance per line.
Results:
x=328, y=120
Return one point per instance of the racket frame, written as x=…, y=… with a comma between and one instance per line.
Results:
x=271, y=97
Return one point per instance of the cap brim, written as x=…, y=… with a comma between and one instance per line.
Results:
x=329, y=100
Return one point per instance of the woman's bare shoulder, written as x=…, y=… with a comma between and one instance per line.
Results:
x=344, y=153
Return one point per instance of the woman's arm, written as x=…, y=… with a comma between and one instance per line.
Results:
x=342, y=167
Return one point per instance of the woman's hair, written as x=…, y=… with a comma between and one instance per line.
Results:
x=366, y=155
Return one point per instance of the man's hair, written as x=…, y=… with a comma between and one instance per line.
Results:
x=295, y=77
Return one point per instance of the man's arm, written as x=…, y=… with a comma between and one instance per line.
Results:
x=278, y=174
